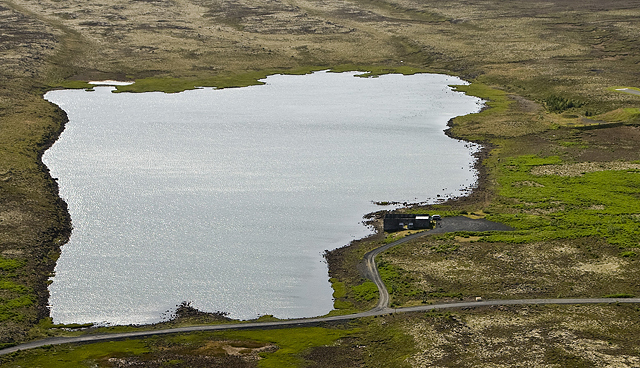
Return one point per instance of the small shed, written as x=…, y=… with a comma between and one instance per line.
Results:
x=403, y=221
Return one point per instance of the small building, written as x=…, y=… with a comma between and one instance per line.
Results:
x=403, y=221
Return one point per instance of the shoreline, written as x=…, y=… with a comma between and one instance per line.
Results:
x=64, y=234
x=478, y=193
x=470, y=188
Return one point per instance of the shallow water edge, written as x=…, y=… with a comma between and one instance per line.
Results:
x=198, y=188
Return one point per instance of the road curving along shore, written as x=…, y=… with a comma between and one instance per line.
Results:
x=446, y=225
x=382, y=308
x=310, y=321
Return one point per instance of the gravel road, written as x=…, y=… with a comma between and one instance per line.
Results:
x=448, y=224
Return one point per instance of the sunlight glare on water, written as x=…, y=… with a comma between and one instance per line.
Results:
x=228, y=198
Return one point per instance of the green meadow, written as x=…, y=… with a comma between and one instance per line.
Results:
x=602, y=204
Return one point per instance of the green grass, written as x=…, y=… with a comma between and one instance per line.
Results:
x=9, y=264
x=387, y=344
x=574, y=144
x=496, y=99
x=437, y=209
x=400, y=283
x=622, y=115
x=394, y=236
x=82, y=356
x=13, y=287
x=10, y=309
x=290, y=342
x=343, y=306
x=558, y=104
x=14, y=297
x=365, y=292
x=502, y=116
x=617, y=88
x=339, y=295
x=70, y=84
x=174, y=85
x=339, y=290
x=267, y=318
x=374, y=71
x=603, y=204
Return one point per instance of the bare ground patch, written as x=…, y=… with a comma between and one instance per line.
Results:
x=444, y=267
x=581, y=168
x=550, y=336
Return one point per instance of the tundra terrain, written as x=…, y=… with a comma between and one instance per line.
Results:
x=560, y=166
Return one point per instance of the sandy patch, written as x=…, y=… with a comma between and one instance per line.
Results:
x=608, y=266
x=581, y=168
x=111, y=83
x=522, y=338
x=235, y=349
x=467, y=240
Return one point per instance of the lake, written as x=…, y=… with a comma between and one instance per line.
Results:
x=228, y=198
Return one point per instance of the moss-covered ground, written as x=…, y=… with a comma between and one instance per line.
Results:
x=330, y=346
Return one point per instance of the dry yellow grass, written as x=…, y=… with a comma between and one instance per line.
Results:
x=440, y=267
x=581, y=168
x=526, y=337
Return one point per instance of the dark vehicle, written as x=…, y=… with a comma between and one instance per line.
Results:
x=436, y=218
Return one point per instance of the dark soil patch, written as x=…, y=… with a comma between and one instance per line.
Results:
x=619, y=143
x=335, y=357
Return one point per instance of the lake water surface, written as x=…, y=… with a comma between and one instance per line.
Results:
x=228, y=198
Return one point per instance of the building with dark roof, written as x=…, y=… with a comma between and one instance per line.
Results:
x=403, y=221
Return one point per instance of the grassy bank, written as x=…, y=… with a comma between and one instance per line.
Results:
x=572, y=197
x=274, y=348
x=569, y=336
x=172, y=85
